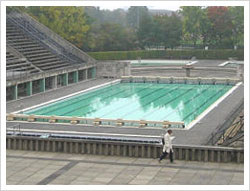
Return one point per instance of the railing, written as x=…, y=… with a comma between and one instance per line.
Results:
x=44, y=40
x=54, y=38
x=233, y=133
x=220, y=131
x=96, y=121
x=16, y=129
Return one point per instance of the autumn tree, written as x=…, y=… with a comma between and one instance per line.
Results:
x=69, y=22
x=222, y=26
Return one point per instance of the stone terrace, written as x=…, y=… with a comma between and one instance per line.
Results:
x=43, y=168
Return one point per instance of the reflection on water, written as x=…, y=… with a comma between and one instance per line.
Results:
x=136, y=101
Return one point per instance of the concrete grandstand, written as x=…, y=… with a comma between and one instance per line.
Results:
x=38, y=60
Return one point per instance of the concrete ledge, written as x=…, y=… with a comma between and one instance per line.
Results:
x=179, y=80
x=95, y=121
x=142, y=150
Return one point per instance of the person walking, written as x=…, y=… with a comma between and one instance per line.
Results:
x=167, y=146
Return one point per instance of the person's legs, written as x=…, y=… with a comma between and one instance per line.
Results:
x=164, y=154
x=171, y=156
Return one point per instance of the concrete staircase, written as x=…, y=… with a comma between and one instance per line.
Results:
x=17, y=63
x=33, y=50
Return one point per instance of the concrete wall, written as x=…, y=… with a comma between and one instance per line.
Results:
x=113, y=69
x=142, y=150
x=25, y=84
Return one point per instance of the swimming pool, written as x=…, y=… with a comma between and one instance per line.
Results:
x=138, y=101
x=161, y=62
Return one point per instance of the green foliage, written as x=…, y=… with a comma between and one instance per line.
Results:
x=99, y=17
x=168, y=30
x=68, y=22
x=92, y=29
x=168, y=54
x=135, y=15
x=111, y=37
x=192, y=22
x=220, y=27
x=237, y=17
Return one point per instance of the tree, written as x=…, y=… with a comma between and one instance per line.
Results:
x=141, y=22
x=68, y=22
x=168, y=30
x=135, y=15
x=222, y=26
x=205, y=28
x=237, y=17
x=111, y=37
x=192, y=23
x=173, y=31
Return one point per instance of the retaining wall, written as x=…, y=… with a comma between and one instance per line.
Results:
x=113, y=69
x=143, y=150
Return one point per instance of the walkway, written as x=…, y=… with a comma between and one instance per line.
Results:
x=43, y=168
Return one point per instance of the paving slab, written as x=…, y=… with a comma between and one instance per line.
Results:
x=65, y=169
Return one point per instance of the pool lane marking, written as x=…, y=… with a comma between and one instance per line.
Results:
x=148, y=93
x=211, y=107
x=133, y=102
x=104, y=98
x=84, y=133
x=178, y=96
x=83, y=106
x=163, y=95
x=75, y=97
x=211, y=97
x=61, y=98
x=189, y=100
x=148, y=113
x=75, y=101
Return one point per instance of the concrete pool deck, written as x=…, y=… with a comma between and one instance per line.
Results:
x=44, y=168
x=198, y=135
x=213, y=70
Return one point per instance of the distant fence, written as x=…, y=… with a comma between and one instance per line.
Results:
x=143, y=150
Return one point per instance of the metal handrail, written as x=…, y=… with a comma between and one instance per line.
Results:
x=40, y=36
x=16, y=129
x=221, y=133
x=72, y=49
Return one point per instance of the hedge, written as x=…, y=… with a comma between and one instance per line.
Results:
x=220, y=54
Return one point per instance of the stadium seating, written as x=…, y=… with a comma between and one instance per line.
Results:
x=33, y=50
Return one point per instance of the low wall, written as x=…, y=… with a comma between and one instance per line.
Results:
x=179, y=80
x=113, y=69
x=143, y=150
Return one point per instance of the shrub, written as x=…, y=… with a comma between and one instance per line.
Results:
x=219, y=54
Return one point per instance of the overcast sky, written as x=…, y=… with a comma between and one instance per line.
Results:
x=168, y=7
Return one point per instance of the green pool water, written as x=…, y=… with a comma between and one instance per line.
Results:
x=159, y=63
x=136, y=101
